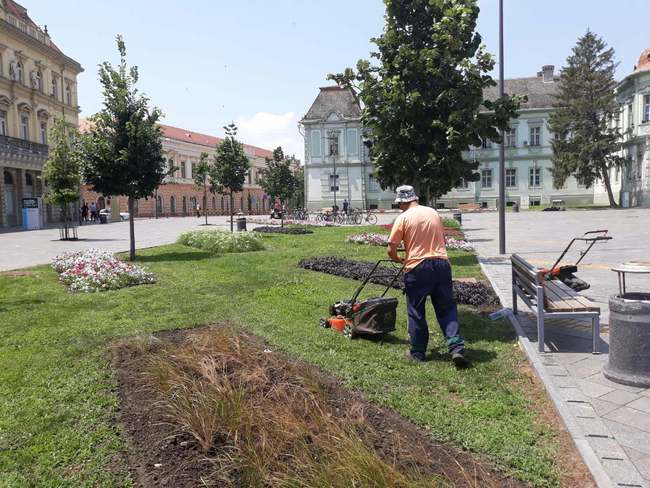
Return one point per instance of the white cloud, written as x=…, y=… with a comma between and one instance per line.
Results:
x=269, y=131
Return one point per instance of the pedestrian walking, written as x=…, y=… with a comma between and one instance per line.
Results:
x=93, y=211
x=198, y=210
x=84, y=212
x=427, y=274
x=346, y=204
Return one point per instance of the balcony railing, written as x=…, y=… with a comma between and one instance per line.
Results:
x=13, y=145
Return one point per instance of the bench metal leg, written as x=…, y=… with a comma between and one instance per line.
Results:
x=540, y=319
x=595, y=333
x=514, y=298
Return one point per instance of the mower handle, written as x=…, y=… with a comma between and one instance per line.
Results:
x=591, y=240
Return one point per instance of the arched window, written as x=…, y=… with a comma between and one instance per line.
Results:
x=55, y=88
x=159, y=205
x=9, y=179
x=68, y=95
x=172, y=205
x=184, y=205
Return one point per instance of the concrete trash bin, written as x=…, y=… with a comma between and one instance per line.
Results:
x=629, y=339
x=241, y=224
x=102, y=219
x=515, y=208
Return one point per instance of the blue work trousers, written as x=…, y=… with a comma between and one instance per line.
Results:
x=431, y=278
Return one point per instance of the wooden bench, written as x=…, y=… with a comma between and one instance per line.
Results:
x=468, y=207
x=550, y=299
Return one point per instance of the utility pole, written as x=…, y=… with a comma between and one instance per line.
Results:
x=502, y=155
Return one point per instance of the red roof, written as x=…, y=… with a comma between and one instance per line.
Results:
x=19, y=11
x=644, y=61
x=185, y=135
x=192, y=137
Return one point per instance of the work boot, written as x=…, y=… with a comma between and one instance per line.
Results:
x=458, y=358
x=415, y=357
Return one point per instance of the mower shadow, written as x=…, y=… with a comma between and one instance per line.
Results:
x=474, y=355
x=387, y=339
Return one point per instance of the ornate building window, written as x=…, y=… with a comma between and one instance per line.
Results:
x=315, y=143
x=511, y=177
x=511, y=138
x=43, y=132
x=24, y=127
x=352, y=142
x=535, y=177
x=36, y=80
x=183, y=170
x=55, y=88
x=68, y=95
x=535, y=136
x=646, y=108
x=3, y=122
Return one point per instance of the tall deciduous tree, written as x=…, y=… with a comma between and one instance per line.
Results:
x=123, y=148
x=202, y=178
x=230, y=167
x=299, y=196
x=62, y=170
x=423, y=99
x=278, y=180
x=588, y=143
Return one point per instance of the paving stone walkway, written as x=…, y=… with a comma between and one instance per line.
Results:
x=610, y=423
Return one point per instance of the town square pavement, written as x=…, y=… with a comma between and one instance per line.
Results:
x=609, y=423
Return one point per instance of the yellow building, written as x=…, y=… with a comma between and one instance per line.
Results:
x=38, y=83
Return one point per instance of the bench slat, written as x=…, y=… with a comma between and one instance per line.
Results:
x=562, y=298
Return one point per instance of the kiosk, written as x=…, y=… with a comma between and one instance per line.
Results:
x=32, y=217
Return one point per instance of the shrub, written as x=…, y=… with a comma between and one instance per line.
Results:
x=221, y=242
x=93, y=270
x=451, y=223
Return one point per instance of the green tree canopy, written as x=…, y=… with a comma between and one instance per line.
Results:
x=123, y=148
x=278, y=180
x=62, y=170
x=423, y=98
x=588, y=142
x=230, y=167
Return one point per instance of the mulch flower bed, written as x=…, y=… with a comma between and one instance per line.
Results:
x=465, y=292
x=217, y=407
x=267, y=229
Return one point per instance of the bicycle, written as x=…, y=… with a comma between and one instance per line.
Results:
x=367, y=216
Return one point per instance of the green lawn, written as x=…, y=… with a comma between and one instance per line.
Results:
x=58, y=395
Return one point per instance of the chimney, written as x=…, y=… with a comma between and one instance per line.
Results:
x=547, y=73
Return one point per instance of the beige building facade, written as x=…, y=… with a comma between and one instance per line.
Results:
x=178, y=195
x=38, y=83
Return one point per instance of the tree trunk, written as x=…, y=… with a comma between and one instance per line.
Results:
x=232, y=201
x=281, y=214
x=205, y=201
x=132, y=231
x=608, y=187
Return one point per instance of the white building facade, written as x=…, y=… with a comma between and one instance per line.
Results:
x=335, y=116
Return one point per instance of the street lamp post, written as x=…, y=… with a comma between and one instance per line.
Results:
x=333, y=146
x=502, y=164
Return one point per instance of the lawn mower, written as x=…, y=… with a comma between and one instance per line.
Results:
x=372, y=317
x=565, y=273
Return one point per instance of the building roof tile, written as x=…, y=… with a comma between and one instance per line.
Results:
x=540, y=93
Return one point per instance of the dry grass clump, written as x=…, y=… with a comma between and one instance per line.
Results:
x=268, y=422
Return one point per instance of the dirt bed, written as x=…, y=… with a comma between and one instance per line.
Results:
x=472, y=293
x=287, y=423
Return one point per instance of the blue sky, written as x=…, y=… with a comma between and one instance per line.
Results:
x=260, y=62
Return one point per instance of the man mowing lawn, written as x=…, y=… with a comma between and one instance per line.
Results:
x=427, y=273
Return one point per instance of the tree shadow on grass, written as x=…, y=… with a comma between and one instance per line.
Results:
x=473, y=354
x=175, y=256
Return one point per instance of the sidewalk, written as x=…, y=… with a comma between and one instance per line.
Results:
x=609, y=423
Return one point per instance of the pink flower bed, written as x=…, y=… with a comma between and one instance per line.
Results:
x=372, y=239
x=93, y=270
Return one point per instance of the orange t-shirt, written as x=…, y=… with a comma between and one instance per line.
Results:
x=422, y=231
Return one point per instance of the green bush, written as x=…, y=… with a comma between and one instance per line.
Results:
x=221, y=242
x=451, y=223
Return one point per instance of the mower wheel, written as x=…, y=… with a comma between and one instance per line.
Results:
x=324, y=323
x=348, y=332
